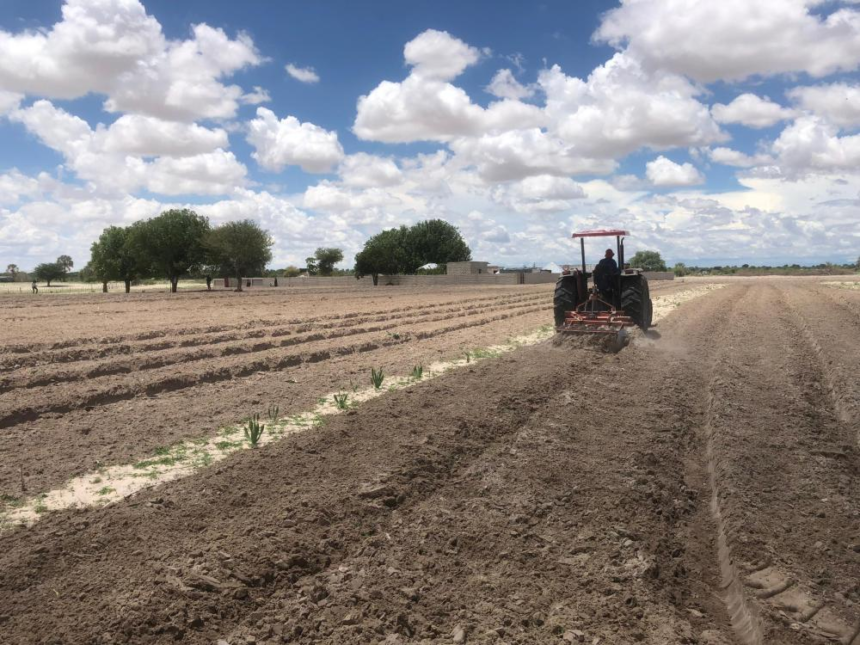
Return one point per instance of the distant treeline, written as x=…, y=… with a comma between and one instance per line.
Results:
x=826, y=268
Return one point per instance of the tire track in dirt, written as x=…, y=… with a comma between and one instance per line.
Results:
x=174, y=382
x=306, y=333
x=735, y=494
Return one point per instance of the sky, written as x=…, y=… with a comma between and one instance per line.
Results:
x=715, y=132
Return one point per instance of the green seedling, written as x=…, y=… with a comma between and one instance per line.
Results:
x=376, y=377
x=340, y=400
x=418, y=372
x=254, y=430
x=468, y=357
x=274, y=413
x=106, y=490
x=395, y=335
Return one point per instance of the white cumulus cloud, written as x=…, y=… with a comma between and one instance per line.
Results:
x=113, y=47
x=735, y=39
x=665, y=172
x=752, y=111
x=288, y=142
x=302, y=74
x=839, y=103
x=505, y=86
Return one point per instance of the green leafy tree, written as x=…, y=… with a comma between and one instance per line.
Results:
x=13, y=270
x=114, y=257
x=291, y=272
x=435, y=241
x=648, y=260
x=48, y=272
x=404, y=250
x=239, y=248
x=680, y=269
x=383, y=254
x=66, y=262
x=311, y=265
x=170, y=245
x=326, y=258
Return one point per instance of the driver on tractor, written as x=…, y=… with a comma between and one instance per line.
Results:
x=605, y=270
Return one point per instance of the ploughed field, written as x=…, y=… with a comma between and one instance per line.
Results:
x=700, y=486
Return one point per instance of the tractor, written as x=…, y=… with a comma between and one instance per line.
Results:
x=580, y=309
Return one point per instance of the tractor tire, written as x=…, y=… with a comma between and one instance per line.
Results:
x=636, y=301
x=565, y=298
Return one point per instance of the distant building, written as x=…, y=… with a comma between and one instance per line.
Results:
x=493, y=269
x=467, y=268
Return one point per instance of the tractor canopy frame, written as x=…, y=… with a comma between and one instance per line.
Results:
x=617, y=233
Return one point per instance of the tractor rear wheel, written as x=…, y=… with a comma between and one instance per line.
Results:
x=565, y=298
x=636, y=301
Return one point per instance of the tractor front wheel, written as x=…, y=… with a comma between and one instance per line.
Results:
x=636, y=301
x=565, y=298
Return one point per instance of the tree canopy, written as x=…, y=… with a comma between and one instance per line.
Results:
x=12, y=269
x=384, y=253
x=648, y=260
x=113, y=257
x=65, y=262
x=326, y=258
x=171, y=244
x=405, y=249
x=239, y=249
x=49, y=271
x=435, y=241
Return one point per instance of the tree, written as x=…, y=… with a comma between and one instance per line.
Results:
x=114, y=257
x=680, y=269
x=291, y=272
x=171, y=244
x=435, y=241
x=384, y=253
x=404, y=250
x=326, y=258
x=13, y=270
x=648, y=260
x=311, y=265
x=66, y=263
x=48, y=272
x=239, y=248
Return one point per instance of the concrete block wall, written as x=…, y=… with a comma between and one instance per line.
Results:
x=448, y=280
x=659, y=275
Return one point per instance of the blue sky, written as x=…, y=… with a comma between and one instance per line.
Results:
x=714, y=132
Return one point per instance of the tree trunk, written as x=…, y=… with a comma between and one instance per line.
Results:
x=239, y=282
x=174, y=281
x=104, y=286
x=128, y=286
x=375, y=279
x=48, y=283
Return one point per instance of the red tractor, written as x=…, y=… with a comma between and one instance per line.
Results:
x=612, y=303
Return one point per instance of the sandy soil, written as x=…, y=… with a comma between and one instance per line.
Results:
x=701, y=486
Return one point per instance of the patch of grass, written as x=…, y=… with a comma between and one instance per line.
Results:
x=418, y=372
x=41, y=507
x=254, y=430
x=152, y=474
x=376, y=377
x=322, y=400
x=228, y=445
x=11, y=501
x=318, y=421
x=168, y=460
x=483, y=352
x=202, y=458
x=468, y=357
x=341, y=401
x=228, y=431
x=395, y=335
x=97, y=480
x=106, y=490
